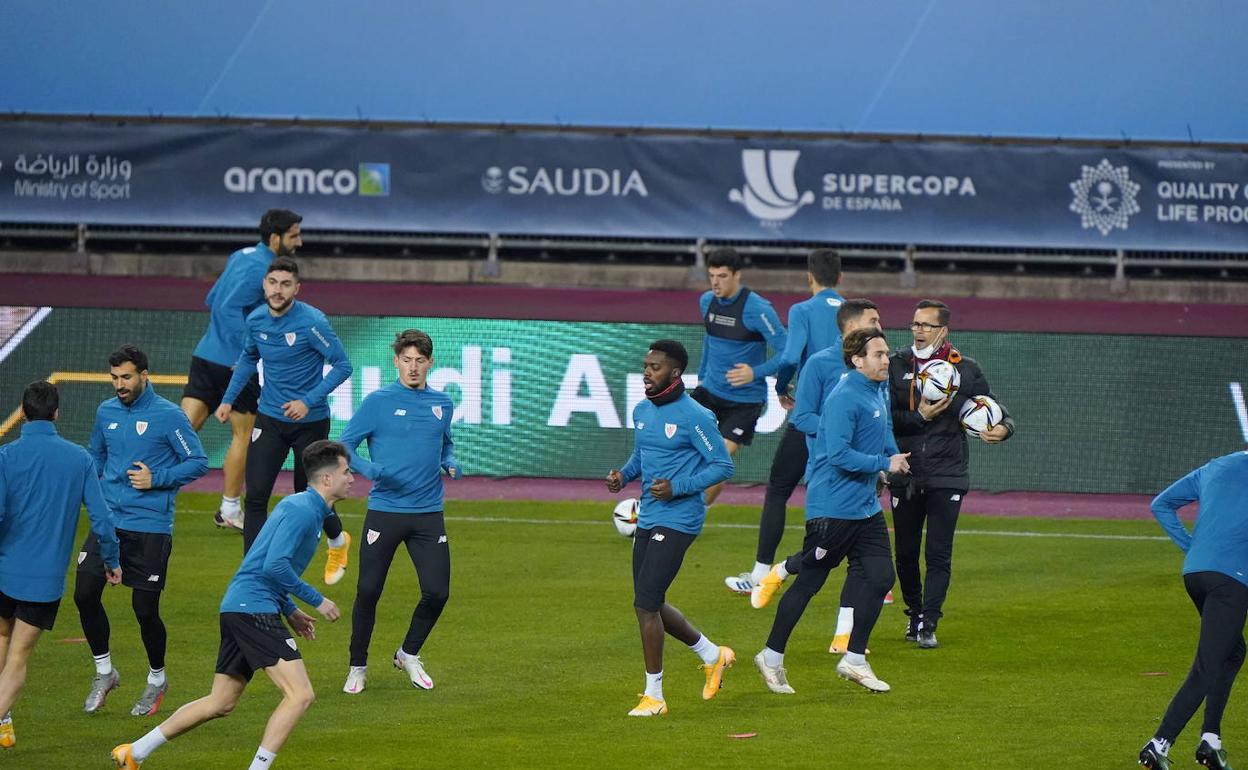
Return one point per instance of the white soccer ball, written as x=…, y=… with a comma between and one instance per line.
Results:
x=625, y=517
x=978, y=414
x=937, y=379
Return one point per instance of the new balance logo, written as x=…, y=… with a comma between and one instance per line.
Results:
x=153, y=578
x=112, y=426
x=442, y=539
x=400, y=412
x=877, y=413
x=264, y=336
x=659, y=536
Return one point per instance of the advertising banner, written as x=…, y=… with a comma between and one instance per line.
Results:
x=643, y=185
x=1095, y=413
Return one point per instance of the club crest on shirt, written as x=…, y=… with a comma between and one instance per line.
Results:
x=372, y=536
x=437, y=411
x=669, y=429
x=140, y=427
x=290, y=338
x=255, y=434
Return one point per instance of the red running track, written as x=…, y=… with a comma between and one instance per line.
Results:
x=570, y=304
x=1039, y=504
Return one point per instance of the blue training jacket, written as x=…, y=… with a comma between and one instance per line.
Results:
x=271, y=570
x=678, y=441
x=812, y=328
x=854, y=443
x=238, y=291
x=719, y=354
x=821, y=373
x=409, y=442
x=44, y=482
x=155, y=432
x=1219, y=541
x=295, y=347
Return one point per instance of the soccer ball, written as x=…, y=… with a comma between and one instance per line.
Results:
x=625, y=517
x=938, y=378
x=978, y=414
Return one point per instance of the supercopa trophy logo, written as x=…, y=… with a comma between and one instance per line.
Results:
x=1105, y=197
x=770, y=191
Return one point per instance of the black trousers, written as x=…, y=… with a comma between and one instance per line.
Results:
x=787, y=466
x=938, y=509
x=271, y=441
x=424, y=534
x=1222, y=603
x=828, y=541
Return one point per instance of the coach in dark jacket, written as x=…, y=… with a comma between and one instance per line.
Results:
x=939, y=479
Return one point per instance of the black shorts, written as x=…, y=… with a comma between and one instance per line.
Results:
x=207, y=381
x=37, y=614
x=144, y=558
x=828, y=540
x=657, y=554
x=252, y=642
x=736, y=419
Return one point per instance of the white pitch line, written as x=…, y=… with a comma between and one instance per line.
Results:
x=728, y=525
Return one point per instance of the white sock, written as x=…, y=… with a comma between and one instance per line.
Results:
x=1213, y=739
x=773, y=658
x=147, y=744
x=705, y=649
x=654, y=685
x=1161, y=745
x=855, y=659
x=781, y=571
x=263, y=760
x=230, y=505
x=759, y=572
x=156, y=677
x=103, y=663
x=845, y=622
x=337, y=542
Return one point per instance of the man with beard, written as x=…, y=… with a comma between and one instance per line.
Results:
x=408, y=429
x=932, y=494
x=678, y=455
x=238, y=291
x=144, y=450
x=843, y=517
x=295, y=341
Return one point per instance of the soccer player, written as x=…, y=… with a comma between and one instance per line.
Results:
x=740, y=325
x=296, y=341
x=238, y=291
x=843, y=516
x=408, y=429
x=44, y=481
x=812, y=328
x=677, y=457
x=932, y=495
x=252, y=634
x=1214, y=575
x=823, y=372
x=144, y=450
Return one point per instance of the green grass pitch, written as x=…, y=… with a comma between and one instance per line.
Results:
x=1062, y=644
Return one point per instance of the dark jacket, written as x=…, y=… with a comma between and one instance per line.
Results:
x=938, y=449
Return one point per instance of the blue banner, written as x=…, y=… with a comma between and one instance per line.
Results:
x=646, y=185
